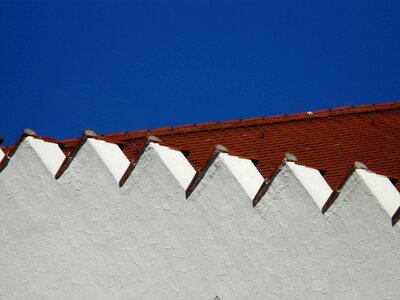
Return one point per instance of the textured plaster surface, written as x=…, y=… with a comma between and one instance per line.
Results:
x=383, y=190
x=312, y=181
x=112, y=156
x=245, y=172
x=368, y=239
x=176, y=163
x=84, y=237
x=49, y=153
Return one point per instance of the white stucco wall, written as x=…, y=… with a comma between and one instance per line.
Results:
x=1, y=155
x=84, y=237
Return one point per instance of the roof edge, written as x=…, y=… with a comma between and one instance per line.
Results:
x=317, y=114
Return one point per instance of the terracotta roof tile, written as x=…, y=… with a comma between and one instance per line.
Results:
x=330, y=139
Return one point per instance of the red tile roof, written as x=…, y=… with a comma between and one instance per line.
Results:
x=331, y=140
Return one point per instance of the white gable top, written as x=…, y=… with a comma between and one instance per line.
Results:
x=245, y=171
x=113, y=157
x=382, y=189
x=1, y=155
x=50, y=153
x=313, y=182
x=176, y=162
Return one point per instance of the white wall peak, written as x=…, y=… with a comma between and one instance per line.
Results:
x=245, y=172
x=242, y=169
x=383, y=190
x=176, y=162
x=312, y=181
x=310, y=178
x=2, y=155
x=49, y=153
x=172, y=158
x=112, y=155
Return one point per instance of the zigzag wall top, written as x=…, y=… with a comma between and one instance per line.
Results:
x=330, y=140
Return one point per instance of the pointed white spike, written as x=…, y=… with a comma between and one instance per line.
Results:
x=176, y=162
x=1, y=155
x=241, y=170
x=112, y=156
x=383, y=190
x=245, y=172
x=312, y=181
x=156, y=164
x=50, y=153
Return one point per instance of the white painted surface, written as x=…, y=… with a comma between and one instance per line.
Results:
x=351, y=252
x=225, y=236
x=382, y=189
x=1, y=155
x=313, y=182
x=176, y=163
x=112, y=156
x=50, y=153
x=245, y=172
x=83, y=237
x=369, y=242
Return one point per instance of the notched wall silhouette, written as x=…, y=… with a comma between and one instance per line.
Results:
x=92, y=224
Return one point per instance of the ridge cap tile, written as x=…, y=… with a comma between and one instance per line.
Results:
x=337, y=111
x=327, y=138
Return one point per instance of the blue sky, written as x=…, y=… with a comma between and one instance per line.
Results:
x=125, y=65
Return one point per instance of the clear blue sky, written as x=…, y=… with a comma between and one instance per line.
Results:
x=125, y=65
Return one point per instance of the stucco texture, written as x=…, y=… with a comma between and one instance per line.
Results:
x=82, y=236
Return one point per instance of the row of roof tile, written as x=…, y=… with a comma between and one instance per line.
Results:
x=329, y=139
